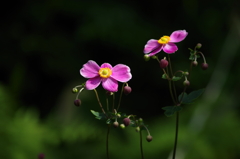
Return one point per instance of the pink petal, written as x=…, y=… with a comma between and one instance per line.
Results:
x=110, y=84
x=156, y=50
x=170, y=48
x=106, y=65
x=90, y=69
x=151, y=45
x=121, y=73
x=178, y=36
x=93, y=83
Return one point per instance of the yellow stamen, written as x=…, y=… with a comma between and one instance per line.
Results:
x=164, y=40
x=105, y=72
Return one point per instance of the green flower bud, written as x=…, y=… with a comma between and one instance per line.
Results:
x=122, y=126
x=137, y=129
x=199, y=45
x=186, y=83
x=118, y=115
x=146, y=57
x=74, y=90
x=186, y=73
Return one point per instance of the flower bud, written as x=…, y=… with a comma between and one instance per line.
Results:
x=163, y=63
x=126, y=121
x=41, y=156
x=74, y=90
x=115, y=124
x=199, y=45
x=149, y=138
x=140, y=120
x=118, y=115
x=194, y=63
x=186, y=83
x=77, y=102
x=146, y=57
x=127, y=90
x=204, y=66
x=186, y=73
x=137, y=129
x=122, y=126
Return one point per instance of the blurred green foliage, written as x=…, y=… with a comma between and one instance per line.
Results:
x=45, y=43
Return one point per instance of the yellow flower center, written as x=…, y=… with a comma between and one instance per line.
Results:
x=164, y=40
x=105, y=72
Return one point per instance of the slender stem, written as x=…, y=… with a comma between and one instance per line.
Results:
x=99, y=101
x=141, y=147
x=170, y=90
x=176, y=136
x=120, y=98
x=113, y=101
x=107, y=141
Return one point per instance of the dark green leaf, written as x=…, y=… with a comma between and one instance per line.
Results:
x=98, y=115
x=108, y=121
x=189, y=98
x=170, y=110
x=164, y=76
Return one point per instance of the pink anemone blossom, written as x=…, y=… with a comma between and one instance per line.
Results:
x=108, y=75
x=165, y=43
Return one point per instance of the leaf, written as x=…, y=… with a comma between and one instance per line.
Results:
x=98, y=115
x=108, y=121
x=189, y=98
x=174, y=78
x=170, y=110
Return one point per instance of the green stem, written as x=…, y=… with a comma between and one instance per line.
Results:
x=141, y=147
x=176, y=136
x=107, y=142
x=120, y=98
x=99, y=101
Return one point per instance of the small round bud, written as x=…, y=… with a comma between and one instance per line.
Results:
x=77, y=102
x=118, y=115
x=41, y=156
x=115, y=124
x=74, y=90
x=186, y=83
x=127, y=90
x=126, y=121
x=137, y=129
x=122, y=126
x=204, y=66
x=186, y=73
x=194, y=63
x=199, y=45
x=146, y=57
x=163, y=63
x=149, y=138
x=140, y=120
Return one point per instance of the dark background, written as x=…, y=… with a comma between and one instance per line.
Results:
x=45, y=43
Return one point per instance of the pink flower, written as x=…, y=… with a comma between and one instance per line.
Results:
x=108, y=75
x=165, y=43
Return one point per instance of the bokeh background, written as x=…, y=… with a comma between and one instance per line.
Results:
x=45, y=43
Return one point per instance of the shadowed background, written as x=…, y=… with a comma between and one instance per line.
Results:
x=45, y=43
